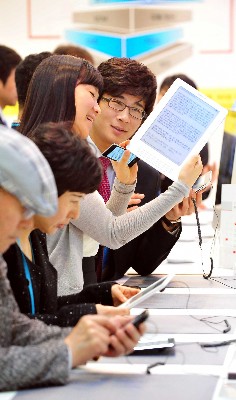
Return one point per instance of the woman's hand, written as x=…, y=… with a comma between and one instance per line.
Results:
x=96, y=335
x=110, y=310
x=125, y=174
x=90, y=338
x=125, y=338
x=191, y=171
x=121, y=293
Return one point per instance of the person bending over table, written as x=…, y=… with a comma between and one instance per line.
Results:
x=32, y=353
x=32, y=277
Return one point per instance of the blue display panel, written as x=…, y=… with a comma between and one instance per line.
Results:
x=117, y=45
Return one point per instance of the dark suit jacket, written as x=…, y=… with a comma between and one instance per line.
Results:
x=148, y=250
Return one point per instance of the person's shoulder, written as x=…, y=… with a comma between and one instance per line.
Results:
x=91, y=198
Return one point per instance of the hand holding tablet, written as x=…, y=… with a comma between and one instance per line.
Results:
x=144, y=294
x=191, y=170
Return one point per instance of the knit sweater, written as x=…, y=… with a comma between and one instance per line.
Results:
x=65, y=246
x=31, y=353
x=70, y=273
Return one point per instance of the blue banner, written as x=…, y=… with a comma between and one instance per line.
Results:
x=124, y=45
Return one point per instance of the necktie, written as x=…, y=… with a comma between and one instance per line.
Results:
x=105, y=192
x=104, y=187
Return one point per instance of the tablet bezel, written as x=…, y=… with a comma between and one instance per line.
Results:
x=147, y=292
x=152, y=156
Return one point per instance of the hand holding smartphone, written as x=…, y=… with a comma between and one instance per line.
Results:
x=115, y=153
x=136, y=322
x=140, y=318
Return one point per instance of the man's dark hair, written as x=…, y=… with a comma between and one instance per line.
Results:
x=76, y=51
x=75, y=167
x=51, y=93
x=123, y=75
x=9, y=59
x=167, y=82
x=24, y=73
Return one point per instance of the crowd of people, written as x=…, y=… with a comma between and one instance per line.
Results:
x=71, y=222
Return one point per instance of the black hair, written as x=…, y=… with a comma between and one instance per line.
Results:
x=167, y=82
x=51, y=93
x=74, y=165
x=9, y=59
x=124, y=75
x=24, y=73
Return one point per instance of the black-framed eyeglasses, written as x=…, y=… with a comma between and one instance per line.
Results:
x=118, y=105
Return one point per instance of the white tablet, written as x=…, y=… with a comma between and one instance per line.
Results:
x=178, y=127
x=157, y=286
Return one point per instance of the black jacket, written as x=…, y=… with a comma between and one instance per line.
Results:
x=63, y=310
x=148, y=250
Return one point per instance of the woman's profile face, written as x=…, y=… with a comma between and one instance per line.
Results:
x=87, y=109
x=68, y=208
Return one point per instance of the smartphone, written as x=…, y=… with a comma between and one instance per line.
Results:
x=115, y=153
x=202, y=182
x=136, y=322
x=140, y=318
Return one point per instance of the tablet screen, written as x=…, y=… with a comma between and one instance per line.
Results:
x=178, y=128
x=180, y=125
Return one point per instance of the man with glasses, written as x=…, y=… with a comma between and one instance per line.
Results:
x=128, y=98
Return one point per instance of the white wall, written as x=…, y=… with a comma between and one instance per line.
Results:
x=31, y=26
x=209, y=31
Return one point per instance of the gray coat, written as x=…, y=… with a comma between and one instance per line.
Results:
x=31, y=353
